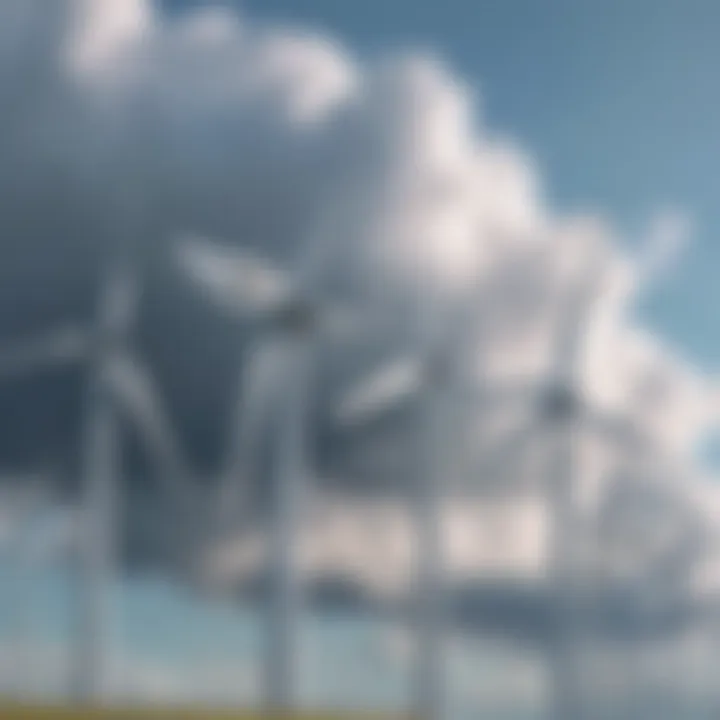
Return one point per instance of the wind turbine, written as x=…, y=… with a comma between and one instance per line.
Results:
x=428, y=372
x=557, y=404
x=562, y=409
x=118, y=383
x=289, y=316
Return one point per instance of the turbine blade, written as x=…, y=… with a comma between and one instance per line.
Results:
x=233, y=279
x=134, y=390
x=258, y=385
x=56, y=348
x=385, y=389
x=667, y=238
x=574, y=314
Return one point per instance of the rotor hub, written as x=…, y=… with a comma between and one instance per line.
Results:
x=561, y=404
x=297, y=317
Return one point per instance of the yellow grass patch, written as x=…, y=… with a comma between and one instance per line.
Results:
x=9, y=711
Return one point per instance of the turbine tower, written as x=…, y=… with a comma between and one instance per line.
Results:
x=561, y=412
x=431, y=371
x=289, y=315
x=118, y=384
x=556, y=404
x=99, y=461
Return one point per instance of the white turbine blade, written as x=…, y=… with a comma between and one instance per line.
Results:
x=135, y=392
x=259, y=382
x=667, y=238
x=56, y=348
x=385, y=389
x=574, y=315
x=233, y=279
x=573, y=322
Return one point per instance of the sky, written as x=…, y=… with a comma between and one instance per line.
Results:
x=616, y=101
x=234, y=125
x=249, y=124
x=260, y=130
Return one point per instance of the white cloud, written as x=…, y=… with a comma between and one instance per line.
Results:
x=253, y=133
x=371, y=541
x=103, y=30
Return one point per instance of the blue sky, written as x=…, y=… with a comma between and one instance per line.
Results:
x=619, y=104
x=617, y=101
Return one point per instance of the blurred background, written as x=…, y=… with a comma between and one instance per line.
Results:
x=360, y=356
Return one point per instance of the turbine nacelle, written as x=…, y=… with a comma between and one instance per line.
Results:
x=250, y=289
x=297, y=317
x=560, y=403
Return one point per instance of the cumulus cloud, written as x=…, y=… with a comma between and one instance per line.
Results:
x=370, y=540
x=128, y=126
